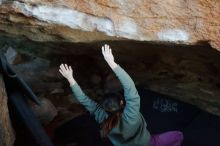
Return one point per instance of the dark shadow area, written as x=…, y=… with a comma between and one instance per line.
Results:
x=164, y=113
x=81, y=131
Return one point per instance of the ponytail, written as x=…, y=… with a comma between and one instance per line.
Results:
x=112, y=105
x=112, y=120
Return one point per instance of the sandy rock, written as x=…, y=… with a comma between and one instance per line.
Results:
x=31, y=70
x=182, y=21
x=45, y=87
x=61, y=100
x=7, y=136
x=46, y=112
x=65, y=114
x=11, y=55
x=52, y=73
x=58, y=90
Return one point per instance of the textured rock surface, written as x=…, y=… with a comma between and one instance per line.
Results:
x=182, y=21
x=188, y=73
x=7, y=137
x=46, y=112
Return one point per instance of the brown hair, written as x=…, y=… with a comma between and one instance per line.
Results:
x=110, y=123
x=112, y=106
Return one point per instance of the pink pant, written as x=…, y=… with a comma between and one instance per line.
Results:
x=171, y=138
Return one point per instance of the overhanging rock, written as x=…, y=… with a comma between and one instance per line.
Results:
x=185, y=22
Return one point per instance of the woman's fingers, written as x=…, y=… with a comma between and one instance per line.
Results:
x=62, y=67
x=60, y=71
x=65, y=70
x=107, y=47
x=70, y=68
x=106, y=50
x=66, y=67
x=109, y=50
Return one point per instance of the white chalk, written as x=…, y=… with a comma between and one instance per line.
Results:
x=68, y=17
x=173, y=35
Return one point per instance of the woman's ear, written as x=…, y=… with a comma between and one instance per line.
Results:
x=121, y=103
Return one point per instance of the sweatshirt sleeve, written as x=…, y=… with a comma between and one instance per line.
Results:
x=131, y=95
x=93, y=107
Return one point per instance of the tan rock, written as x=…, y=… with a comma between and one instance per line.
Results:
x=183, y=21
x=7, y=136
x=46, y=112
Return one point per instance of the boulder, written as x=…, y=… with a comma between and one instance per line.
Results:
x=46, y=112
x=7, y=136
x=183, y=21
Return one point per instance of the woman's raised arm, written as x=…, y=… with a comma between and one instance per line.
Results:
x=93, y=107
x=132, y=98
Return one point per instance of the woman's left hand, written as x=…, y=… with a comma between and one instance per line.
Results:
x=67, y=73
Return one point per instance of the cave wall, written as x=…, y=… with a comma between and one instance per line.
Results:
x=182, y=21
x=7, y=135
x=163, y=45
x=187, y=73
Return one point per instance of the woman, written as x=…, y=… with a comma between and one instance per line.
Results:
x=120, y=121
